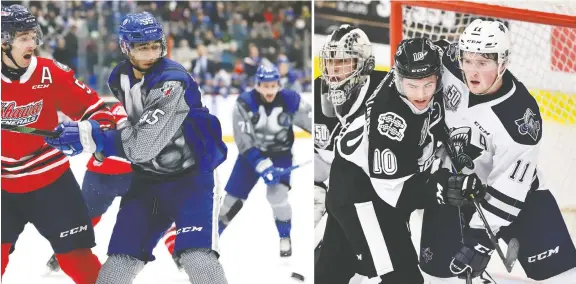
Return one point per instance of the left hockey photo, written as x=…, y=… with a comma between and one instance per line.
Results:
x=156, y=142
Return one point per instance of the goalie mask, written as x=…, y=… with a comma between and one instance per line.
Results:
x=345, y=60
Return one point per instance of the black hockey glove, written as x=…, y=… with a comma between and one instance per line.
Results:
x=438, y=184
x=462, y=189
x=457, y=189
x=474, y=255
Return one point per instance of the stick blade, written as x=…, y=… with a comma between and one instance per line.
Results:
x=512, y=254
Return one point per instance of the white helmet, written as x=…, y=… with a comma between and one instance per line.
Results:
x=487, y=37
x=346, y=42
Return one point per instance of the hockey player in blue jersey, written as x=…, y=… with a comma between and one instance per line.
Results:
x=174, y=145
x=263, y=120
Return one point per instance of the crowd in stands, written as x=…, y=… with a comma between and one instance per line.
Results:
x=221, y=44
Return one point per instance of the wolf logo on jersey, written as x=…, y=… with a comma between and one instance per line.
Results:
x=528, y=125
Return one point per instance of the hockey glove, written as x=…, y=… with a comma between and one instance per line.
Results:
x=268, y=172
x=462, y=189
x=474, y=255
x=77, y=137
x=438, y=184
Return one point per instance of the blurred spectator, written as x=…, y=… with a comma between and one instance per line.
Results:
x=61, y=53
x=221, y=43
x=72, y=47
x=203, y=65
x=184, y=54
x=113, y=55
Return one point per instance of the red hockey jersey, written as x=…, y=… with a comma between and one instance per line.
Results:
x=112, y=165
x=28, y=163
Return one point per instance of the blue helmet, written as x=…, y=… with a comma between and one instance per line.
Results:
x=17, y=18
x=141, y=28
x=267, y=74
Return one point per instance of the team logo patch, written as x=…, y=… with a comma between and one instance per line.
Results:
x=528, y=124
x=426, y=254
x=452, y=98
x=12, y=114
x=61, y=66
x=168, y=87
x=460, y=148
x=321, y=136
x=424, y=132
x=420, y=55
x=392, y=125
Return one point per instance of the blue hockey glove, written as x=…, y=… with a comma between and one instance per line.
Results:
x=474, y=255
x=268, y=172
x=77, y=137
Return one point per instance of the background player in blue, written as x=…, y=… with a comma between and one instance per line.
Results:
x=174, y=145
x=263, y=120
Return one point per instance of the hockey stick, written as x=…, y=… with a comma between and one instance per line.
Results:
x=29, y=130
x=290, y=169
x=513, y=246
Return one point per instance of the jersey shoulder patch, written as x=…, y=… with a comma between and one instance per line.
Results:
x=520, y=116
x=64, y=67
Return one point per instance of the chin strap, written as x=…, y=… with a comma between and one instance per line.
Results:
x=9, y=72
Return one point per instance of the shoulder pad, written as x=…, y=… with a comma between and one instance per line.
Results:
x=291, y=100
x=520, y=115
x=172, y=71
x=248, y=101
x=120, y=68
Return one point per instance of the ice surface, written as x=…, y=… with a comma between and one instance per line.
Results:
x=249, y=246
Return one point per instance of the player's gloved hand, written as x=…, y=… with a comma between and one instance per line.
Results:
x=438, y=184
x=319, y=201
x=474, y=255
x=463, y=188
x=268, y=172
x=77, y=137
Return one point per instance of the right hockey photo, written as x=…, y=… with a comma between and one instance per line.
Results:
x=443, y=142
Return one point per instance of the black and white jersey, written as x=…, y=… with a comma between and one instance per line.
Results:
x=386, y=151
x=327, y=129
x=496, y=136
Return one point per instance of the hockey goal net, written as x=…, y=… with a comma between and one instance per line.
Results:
x=543, y=57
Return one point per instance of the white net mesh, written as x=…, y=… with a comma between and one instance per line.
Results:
x=543, y=57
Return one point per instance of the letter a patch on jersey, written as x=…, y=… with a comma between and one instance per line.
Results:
x=392, y=125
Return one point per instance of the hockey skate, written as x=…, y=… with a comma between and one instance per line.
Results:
x=285, y=247
x=52, y=265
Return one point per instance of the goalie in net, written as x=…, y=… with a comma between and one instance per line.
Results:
x=493, y=135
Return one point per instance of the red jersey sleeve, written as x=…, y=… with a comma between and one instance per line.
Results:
x=79, y=101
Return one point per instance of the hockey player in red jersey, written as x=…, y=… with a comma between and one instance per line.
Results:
x=103, y=181
x=38, y=186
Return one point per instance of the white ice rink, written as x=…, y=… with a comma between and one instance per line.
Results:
x=249, y=246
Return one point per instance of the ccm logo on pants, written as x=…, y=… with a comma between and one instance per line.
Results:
x=74, y=231
x=544, y=255
x=188, y=229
